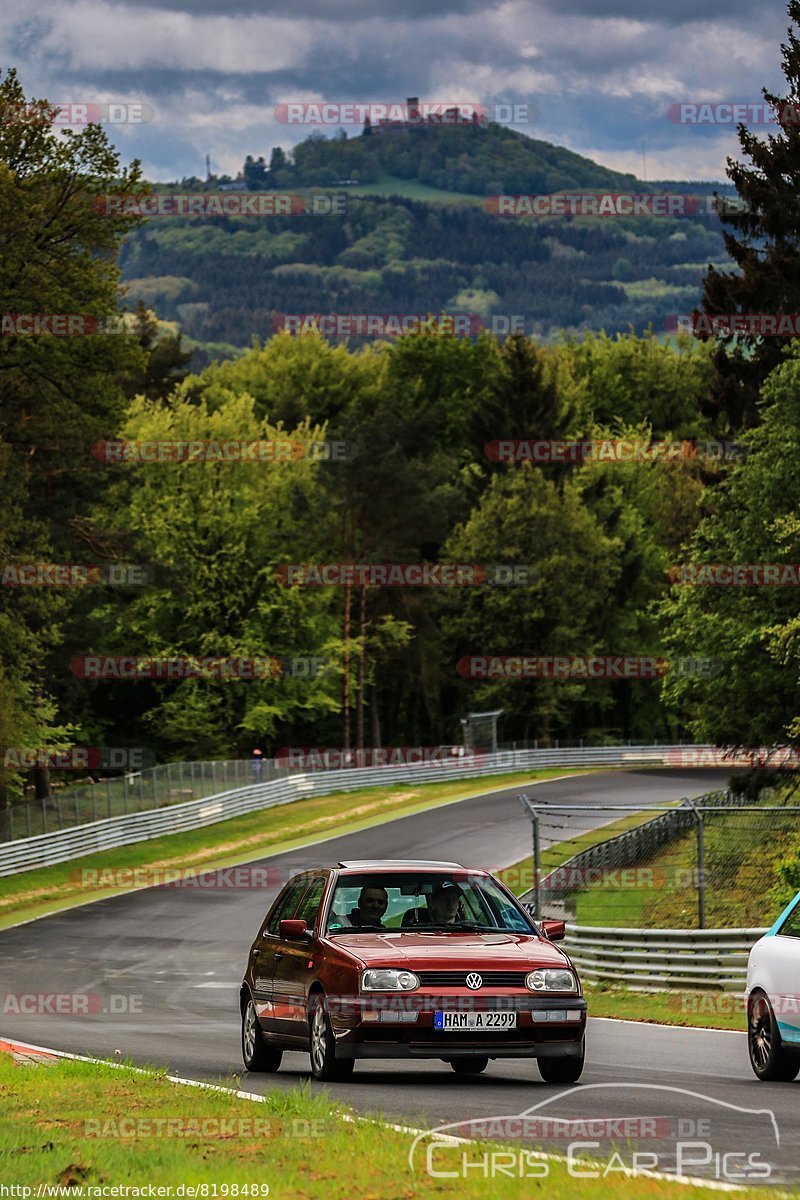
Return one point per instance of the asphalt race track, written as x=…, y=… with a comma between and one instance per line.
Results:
x=166, y=964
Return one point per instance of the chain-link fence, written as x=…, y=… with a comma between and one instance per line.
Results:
x=171, y=783
x=719, y=862
x=137, y=791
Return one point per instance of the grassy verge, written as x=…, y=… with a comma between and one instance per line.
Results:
x=701, y=1010
x=75, y=1125
x=242, y=839
x=519, y=877
x=698, y=1010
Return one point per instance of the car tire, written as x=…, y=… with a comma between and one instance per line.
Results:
x=769, y=1060
x=257, y=1054
x=325, y=1067
x=562, y=1070
x=469, y=1066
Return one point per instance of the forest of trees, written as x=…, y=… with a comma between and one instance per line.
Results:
x=417, y=485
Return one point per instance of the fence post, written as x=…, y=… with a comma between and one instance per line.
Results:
x=537, y=908
x=191, y=764
x=108, y=793
x=44, y=815
x=701, y=865
x=701, y=873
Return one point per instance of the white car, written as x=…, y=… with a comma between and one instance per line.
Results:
x=773, y=998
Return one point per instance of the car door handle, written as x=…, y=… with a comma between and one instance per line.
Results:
x=278, y=954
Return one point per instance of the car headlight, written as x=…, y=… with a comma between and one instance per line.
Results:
x=388, y=980
x=554, y=979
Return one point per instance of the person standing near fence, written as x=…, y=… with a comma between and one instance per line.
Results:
x=258, y=765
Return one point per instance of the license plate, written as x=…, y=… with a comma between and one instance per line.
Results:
x=474, y=1020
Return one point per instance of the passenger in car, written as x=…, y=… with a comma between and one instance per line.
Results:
x=443, y=906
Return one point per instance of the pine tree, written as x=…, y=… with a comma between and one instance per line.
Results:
x=763, y=239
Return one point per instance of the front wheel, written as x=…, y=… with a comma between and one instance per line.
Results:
x=324, y=1064
x=257, y=1055
x=562, y=1070
x=768, y=1058
x=469, y=1066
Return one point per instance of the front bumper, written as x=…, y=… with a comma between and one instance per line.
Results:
x=547, y=1027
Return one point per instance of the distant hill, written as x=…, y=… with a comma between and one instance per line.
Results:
x=474, y=160
x=418, y=236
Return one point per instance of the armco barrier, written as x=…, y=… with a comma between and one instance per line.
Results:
x=63, y=845
x=655, y=959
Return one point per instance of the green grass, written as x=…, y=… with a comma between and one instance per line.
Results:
x=295, y=1142
x=698, y=1010
x=519, y=877
x=242, y=839
x=742, y=853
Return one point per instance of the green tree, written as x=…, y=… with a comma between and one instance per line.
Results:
x=749, y=633
x=525, y=518
x=59, y=234
x=763, y=237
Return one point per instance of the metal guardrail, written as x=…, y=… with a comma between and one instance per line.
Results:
x=25, y=854
x=657, y=959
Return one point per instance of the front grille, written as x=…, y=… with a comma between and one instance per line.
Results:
x=491, y=979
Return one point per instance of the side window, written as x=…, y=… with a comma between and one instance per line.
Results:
x=309, y=905
x=285, y=904
x=791, y=926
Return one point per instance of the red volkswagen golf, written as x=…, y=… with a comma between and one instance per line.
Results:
x=403, y=959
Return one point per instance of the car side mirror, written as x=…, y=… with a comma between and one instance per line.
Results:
x=291, y=929
x=554, y=931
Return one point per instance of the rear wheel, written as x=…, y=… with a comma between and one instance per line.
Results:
x=768, y=1058
x=562, y=1070
x=257, y=1054
x=469, y=1066
x=322, y=1046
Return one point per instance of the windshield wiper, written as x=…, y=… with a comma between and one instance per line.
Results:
x=470, y=926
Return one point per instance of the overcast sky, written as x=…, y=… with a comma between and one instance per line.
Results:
x=598, y=76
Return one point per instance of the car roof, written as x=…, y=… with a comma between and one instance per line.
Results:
x=391, y=864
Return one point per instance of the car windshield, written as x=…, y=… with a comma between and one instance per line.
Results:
x=422, y=901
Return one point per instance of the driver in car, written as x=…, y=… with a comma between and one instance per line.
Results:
x=443, y=906
x=372, y=904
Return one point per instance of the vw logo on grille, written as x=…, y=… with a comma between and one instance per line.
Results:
x=474, y=981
